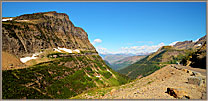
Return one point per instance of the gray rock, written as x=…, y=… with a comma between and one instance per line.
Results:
x=195, y=73
x=178, y=67
x=195, y=80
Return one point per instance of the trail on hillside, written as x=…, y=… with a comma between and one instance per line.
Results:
x=155, y=86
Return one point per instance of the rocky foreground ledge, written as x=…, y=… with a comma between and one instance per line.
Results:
x=170, y=82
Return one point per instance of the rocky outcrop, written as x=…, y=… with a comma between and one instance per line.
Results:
x=198, y=57
x=184, y=45
x=190, y=44
x=195, y=80
x=177, y=93
x=32, y=33
x=166, y=83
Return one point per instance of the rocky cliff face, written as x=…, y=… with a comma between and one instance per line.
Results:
x=190, y=44
x=184, y=45
x=30, y=33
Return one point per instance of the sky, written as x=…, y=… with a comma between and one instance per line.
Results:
x=126, y=27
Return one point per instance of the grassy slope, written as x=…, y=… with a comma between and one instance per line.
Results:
x=54, y=80
x=153, y=62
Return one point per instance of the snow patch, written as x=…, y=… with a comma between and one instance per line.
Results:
x=25, y=59
x=98, y=76
x=7, y=19
x=173, y=43
x=65, y=49
x=198, y=44
x=77, y=50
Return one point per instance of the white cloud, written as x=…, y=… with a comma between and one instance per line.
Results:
x=141, y=49
x=173, y=43
x=133, y=50
x=97, y=41
x=102, y=50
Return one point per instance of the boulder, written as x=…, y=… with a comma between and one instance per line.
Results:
x=178, y=67
x=177, y=93
x=185, y=70
x=195, y=80
x=190, y=72
x=203, y=79
x=204, y=96
x=195, y=73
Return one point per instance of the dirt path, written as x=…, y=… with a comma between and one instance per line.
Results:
x=202, y=71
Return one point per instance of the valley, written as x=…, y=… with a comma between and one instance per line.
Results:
x=122, y=61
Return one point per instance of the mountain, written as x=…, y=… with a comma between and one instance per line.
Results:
x=119, y=61
x=29, y=33
x=120, y=64
x=181, y=52
x=50, y=58
x=111, y=58
x=190, y=44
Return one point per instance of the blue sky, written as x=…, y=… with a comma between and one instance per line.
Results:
x=126, y=27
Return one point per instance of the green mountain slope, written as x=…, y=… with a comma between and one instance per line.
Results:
x=55, y=79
